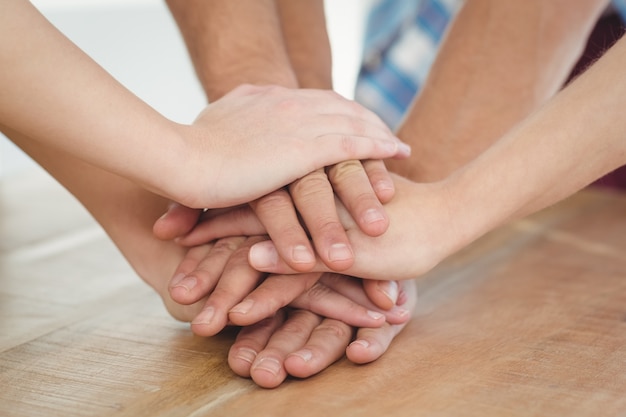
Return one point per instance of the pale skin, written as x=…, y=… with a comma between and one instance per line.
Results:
x=114, y=143
x=506, y=49
x=127, y=212
x=107, y=126
x=218, y=34
x=513, y=56
x=311, y=195
x=559, y=149
x=455, y=207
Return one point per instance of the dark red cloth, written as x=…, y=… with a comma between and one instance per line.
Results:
x=607, y=31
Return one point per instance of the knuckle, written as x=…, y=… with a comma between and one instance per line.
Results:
x=375, y=169
x=278, y=200
x=226, y=246
x=335, y=329
x=345, y=170
x=289, y=105
x=310, y=186
x=299, y=322
x=317, y=293
x=330, y=227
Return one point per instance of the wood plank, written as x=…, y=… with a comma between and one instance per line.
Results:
x=529, y=321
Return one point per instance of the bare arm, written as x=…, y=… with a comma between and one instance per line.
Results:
x=233, y=43
x=303, y=25
x=573, y=139
x=499, y=62
x=54, y=94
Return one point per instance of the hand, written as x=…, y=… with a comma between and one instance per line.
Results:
x=360, y=186
x=422, y=232
x=301, y=343
x=255, y=140
x=217, y=278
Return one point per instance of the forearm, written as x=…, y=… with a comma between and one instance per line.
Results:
x=57, y=96
x=233, y=42
x=574, y=139
x=303, y=24
x=499, y=61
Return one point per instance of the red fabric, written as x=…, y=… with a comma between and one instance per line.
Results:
x=607, y=31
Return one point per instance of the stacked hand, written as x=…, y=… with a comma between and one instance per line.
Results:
x=293, y=324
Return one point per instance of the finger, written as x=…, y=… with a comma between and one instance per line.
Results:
x=370, y=344
x=240, y=221
x=315, y=201
x=380, y=179
x=326, y=302
x=275, y=292
x=236, y=281
x=250, y=341
x=384, y=294
x=331, y=103
x=184, y=313
x=263, y=256
x=178, y=220
x=177, y=285
x=201, y=279
x=325, y=346
x=353, y=289
x=346, y=146
x=351, y=183
x=267, y=369
x=278, y=215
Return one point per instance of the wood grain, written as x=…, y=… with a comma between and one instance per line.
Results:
x=529, y=321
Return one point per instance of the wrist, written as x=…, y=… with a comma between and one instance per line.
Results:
x=177, y=163
x=216, y=85
x=470, y=207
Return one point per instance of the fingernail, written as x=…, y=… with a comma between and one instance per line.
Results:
x=242, y=308
x=188, y=283
x=263, y=255
x=373, y=216
x=383, y=185
x=391, y=146
x=302, y=254
x=400, y=312
x=304, y=354
x=361, y=342
x=164, y=215
x=176, y=279
x=205, y=316
x=339, y=252
x=246, y=354
x=375, y=315
x=390, y=289
x=404, y=149
x=270, y=365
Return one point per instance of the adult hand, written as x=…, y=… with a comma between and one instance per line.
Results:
x=422, y=232
x=217, y=279
x=300, y=343
x=255, y=140
x=361, y=187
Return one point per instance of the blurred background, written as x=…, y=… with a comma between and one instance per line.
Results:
x=138, y=43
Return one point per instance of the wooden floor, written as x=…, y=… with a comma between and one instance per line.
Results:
x=530, y=321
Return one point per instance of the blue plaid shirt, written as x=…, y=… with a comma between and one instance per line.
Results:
x=401, y=41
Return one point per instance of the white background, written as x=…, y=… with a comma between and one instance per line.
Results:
x=138, y=43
